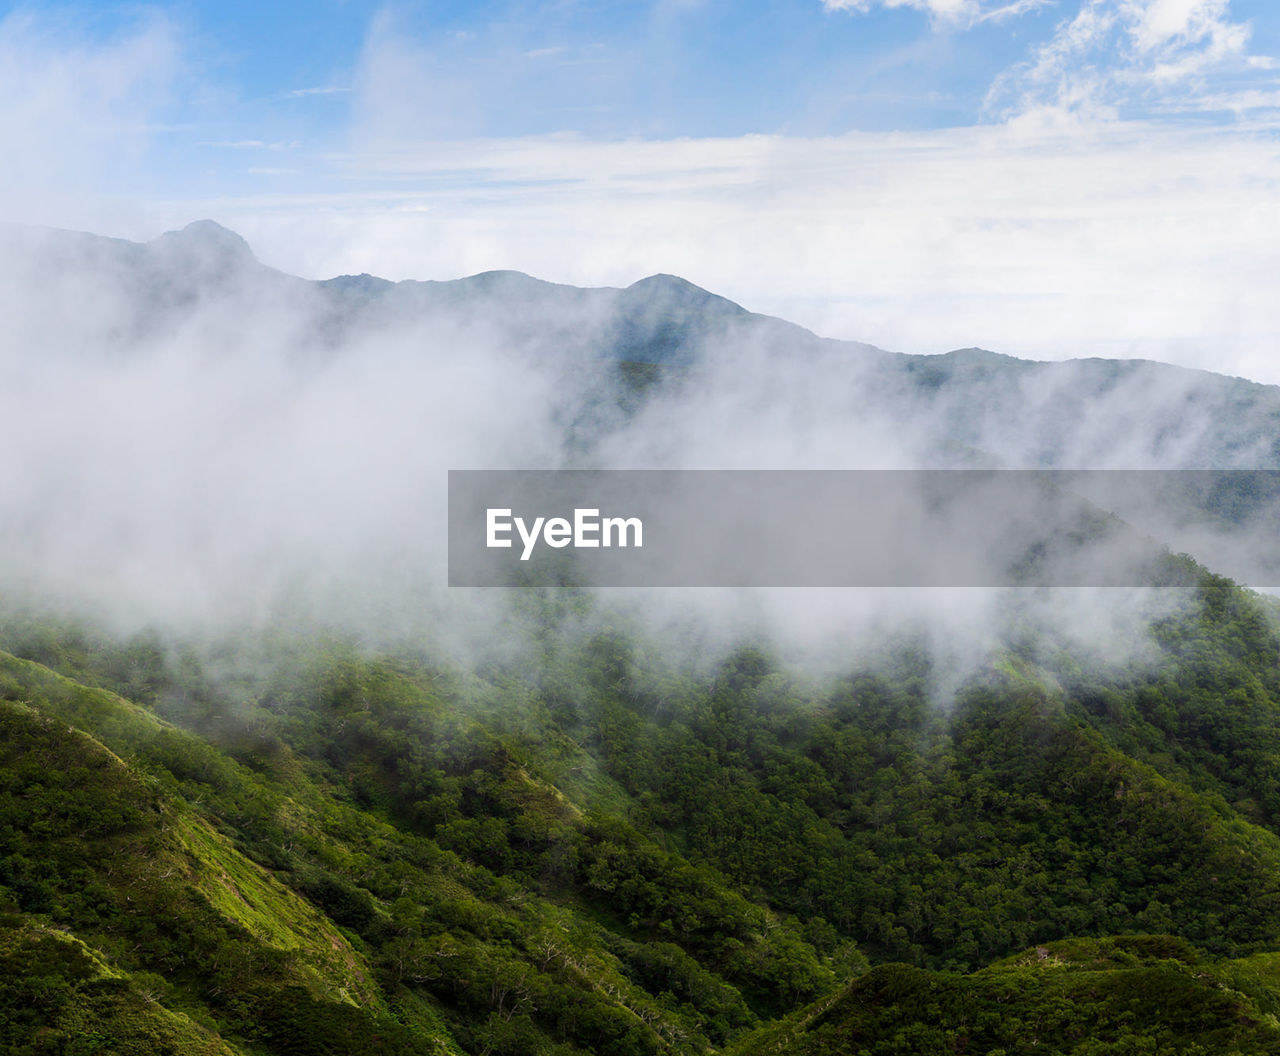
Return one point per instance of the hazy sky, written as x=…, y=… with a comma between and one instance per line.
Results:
x=1042, y=177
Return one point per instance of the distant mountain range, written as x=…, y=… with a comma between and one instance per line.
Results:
x=1052, y=830
x=661, y=372
x=977, y=407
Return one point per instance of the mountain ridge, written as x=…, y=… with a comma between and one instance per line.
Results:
x=574, y=830
x=213, y=250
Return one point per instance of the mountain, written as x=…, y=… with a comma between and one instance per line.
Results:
x=152, y=286
x=970, y=406
x=1134, y=994
x=256, y=895
x=300, y=846
x=325, y=810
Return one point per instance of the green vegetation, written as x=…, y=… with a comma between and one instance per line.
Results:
x=1131, y=995
x=328, y=850
x=57, y=995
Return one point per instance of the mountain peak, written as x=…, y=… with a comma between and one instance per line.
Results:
x=208, y=238
x=210, y=229
x=973, y=354
x=670, y=293
x=663, y=280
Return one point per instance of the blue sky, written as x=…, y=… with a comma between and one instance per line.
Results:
x=1047, y=178
x=681, y=67
x=297, y=78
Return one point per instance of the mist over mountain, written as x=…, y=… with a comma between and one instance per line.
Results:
x=190, y=415
x=206, y=440
x=98, y=293
x=268, y=786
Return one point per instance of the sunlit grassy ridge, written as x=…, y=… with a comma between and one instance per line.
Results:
x=330, y=850
x=1083, y=997
x=59, y=995
x=369, y=918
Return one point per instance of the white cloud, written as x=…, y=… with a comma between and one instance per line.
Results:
x=247, y=144
x=945, y=12
x=1157, y=55
x=75, y=112
x=1158, y=23
x=1052, y=234
x=300, y=92
x=1151, y=55
x=234, y=144
x=1043, y=240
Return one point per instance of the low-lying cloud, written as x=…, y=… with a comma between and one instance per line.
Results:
x=208, y=446
x=1052, y=232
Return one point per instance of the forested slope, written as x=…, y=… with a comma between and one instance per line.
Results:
x=326, y=848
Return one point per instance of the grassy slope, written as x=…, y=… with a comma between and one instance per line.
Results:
x=57, y=994
x=1083, y=997
x=147, y=850
x=157, y=901
x=369, y=855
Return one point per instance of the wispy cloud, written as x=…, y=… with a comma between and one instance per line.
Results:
x=78, y=109
x=1113, y=239
x=1078, y=220
x=248, y=144
x=946, y=12
x=1150, y=55
x=298, y=93
x=1114, y=56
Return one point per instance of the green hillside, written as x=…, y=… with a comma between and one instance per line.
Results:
x=1139, y=994
x=291, y=901
x=298, y=844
